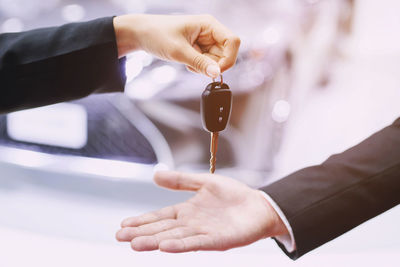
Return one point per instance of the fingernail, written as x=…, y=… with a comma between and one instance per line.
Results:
x=213, y=70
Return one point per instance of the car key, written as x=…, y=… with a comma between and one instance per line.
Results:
x=216, y=103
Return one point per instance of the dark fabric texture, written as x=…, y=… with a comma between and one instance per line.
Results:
x=51, y=65
x=323, y=202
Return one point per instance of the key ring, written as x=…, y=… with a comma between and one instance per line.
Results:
x=222, y=79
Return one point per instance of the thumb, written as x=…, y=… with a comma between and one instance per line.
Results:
x=179, y=181
x=200, y=62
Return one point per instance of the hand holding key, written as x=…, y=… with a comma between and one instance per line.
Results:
x=216, y=104
x=200, y=42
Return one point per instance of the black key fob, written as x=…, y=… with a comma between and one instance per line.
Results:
x=216, y=103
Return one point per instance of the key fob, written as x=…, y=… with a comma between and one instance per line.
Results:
x=216, y=102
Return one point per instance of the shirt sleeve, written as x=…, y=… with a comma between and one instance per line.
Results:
x=56, y=64
x=286, y=240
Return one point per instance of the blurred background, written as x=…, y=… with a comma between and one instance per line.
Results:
x=313, y=78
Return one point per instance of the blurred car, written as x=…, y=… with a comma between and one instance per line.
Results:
x=157, y=122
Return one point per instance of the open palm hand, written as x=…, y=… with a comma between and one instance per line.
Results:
x=223, y=214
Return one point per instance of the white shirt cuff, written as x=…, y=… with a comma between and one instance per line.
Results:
x=288, y=239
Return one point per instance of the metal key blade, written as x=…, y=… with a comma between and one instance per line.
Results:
x=213, y=151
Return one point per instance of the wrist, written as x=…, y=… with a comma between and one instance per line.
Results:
x=126, y=36
x=276, y=227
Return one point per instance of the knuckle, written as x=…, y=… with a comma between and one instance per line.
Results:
x=236, y=41
x=198, y=63
x=185, y=244
x=157, y=215
x=163, y=212
x=179, y=181
x=228, y=63
x=219, y=242
x=156, y=240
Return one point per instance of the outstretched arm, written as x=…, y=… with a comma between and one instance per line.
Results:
x=51, y=65
x=320, y=203
x=323, y=202
x=223, y=214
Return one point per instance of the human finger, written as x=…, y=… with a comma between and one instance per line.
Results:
x=162, y=214
x=191, y=243
x=129, y=233
x=179, y=181
x=146, y=243
x=230, y=44
x=231, y=50
x=212, y=56
x=198, y=61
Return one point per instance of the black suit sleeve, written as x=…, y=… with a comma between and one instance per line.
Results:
x=325, y=201
x=51, y=65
